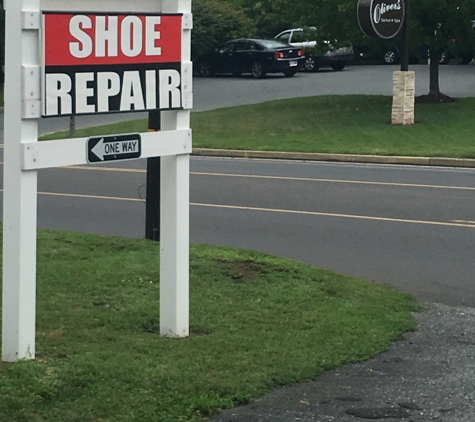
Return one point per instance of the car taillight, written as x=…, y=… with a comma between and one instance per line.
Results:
x=278, y=55
x=301, y=53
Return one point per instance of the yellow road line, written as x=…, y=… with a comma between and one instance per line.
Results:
x=78, y=195
x=357, y=182
x=454, y=223
x=299, y=179
x=328, y=214
x=467, y=222
x=116, y=169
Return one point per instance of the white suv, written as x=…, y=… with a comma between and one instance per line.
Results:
x=337, y=59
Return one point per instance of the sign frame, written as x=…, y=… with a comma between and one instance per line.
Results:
x=92, y=75
x=24, y=155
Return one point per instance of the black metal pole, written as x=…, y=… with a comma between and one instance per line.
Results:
x=72, y=126
x=152, y=205
x=405, y=42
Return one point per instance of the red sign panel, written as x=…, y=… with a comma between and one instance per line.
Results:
x=111, y=39
x=102, y=63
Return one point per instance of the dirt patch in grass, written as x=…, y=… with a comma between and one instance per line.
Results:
x=247, y=270
x=241, y=271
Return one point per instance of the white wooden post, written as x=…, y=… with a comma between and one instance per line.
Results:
x=174, y=214
x=174, y=246
x=23, y=156
x=20, y=188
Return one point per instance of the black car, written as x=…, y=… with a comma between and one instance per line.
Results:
x=388, y=52
x=391, y=54
x=257, y=57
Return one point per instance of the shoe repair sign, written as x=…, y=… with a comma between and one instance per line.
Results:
x=104, y=63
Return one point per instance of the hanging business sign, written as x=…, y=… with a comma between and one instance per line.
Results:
x=381, y=19
x=104, y=63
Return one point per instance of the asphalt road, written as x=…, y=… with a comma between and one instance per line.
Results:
x=411, y=227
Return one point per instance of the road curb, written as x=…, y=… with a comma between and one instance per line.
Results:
x=351, y=158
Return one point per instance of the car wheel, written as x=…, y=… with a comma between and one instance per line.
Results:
x=257, y=70
x=290, y=73
x=338, y=66
x=390, y=57
x=310, y=64
x=444, y=58
x=205, y=70
x=466, y=59
x=237, y=74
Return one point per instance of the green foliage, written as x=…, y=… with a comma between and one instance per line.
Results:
x=436, y=24
x=433, y=23
x=272, y=16
x=215, y=22
x=334, y=19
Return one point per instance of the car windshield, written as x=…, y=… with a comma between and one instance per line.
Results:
x=272, y=44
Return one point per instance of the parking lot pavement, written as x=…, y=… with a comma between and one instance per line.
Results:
x=226, y=91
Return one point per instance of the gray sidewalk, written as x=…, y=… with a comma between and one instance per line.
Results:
x=427, y=376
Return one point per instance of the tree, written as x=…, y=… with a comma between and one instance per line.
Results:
x=433, y=24
x=271, y=16
x=215, y=22
x=436, y=25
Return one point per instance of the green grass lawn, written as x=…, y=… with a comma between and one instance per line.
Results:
x=348, y=124
x=257, y=322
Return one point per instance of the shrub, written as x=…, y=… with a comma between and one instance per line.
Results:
x=216, y=22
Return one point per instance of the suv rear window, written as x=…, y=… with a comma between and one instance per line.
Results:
x=285, y=37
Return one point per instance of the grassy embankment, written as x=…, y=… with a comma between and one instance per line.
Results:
x=257, y=322
x=328, y=124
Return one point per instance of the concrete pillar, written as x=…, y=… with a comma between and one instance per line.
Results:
x=403, y=98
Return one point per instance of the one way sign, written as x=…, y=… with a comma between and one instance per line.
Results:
x=112, y=148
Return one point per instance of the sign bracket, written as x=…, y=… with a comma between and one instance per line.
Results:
x=31, y=20
x=31, y=91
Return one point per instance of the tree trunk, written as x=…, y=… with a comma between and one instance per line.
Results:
x=434, y=88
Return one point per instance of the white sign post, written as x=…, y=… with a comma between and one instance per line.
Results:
x=98, y=57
